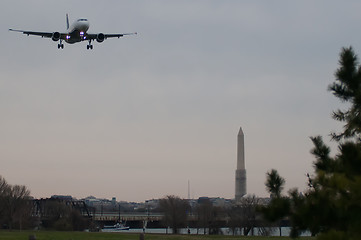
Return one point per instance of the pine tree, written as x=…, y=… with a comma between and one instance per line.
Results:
x=336, y=186
x=347, y=88
x=331, y=207
x=274, y=183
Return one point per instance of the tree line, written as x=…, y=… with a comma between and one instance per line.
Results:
x=18, y=210
x=239, y=217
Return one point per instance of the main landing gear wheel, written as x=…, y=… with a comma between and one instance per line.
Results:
x=89, y=46
x=60, y=45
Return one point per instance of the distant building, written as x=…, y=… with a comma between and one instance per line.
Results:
x=62, y=197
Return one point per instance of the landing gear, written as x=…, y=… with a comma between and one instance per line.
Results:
x=60, y=45
x=89, y=46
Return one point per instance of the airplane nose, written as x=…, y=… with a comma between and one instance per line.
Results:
x=85, y=26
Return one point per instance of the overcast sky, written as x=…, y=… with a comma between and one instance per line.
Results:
x=138, y=117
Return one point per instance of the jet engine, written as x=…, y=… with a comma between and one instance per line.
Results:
x=100, y=37
x=56, y=36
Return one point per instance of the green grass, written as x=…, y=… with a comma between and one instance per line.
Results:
x=53, y=235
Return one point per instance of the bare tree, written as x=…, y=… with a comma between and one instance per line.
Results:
x=175, y=212
x=204, y=214
x=243, y=214
x=15, y=204
x=208, y=216
x=4, y=189
x=3, y=186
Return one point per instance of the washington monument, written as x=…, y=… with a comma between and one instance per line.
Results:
x=241, y=187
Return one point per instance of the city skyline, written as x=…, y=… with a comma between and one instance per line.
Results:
x=137, y=118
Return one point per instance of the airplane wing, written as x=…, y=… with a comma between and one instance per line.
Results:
x=41, y=34
x=118, y=35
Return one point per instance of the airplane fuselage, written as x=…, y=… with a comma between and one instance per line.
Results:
x=77, y=31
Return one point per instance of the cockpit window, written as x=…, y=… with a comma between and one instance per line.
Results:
x=82, y=20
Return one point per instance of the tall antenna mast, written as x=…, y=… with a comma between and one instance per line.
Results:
x=189, y=192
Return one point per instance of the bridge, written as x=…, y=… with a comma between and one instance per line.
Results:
x=114, y=216
x=42, y=210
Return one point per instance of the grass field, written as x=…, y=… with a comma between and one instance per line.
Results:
x=52, y=235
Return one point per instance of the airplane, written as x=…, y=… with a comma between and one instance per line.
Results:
x=77, y=32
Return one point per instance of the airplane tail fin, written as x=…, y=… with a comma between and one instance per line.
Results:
x=67, y=21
